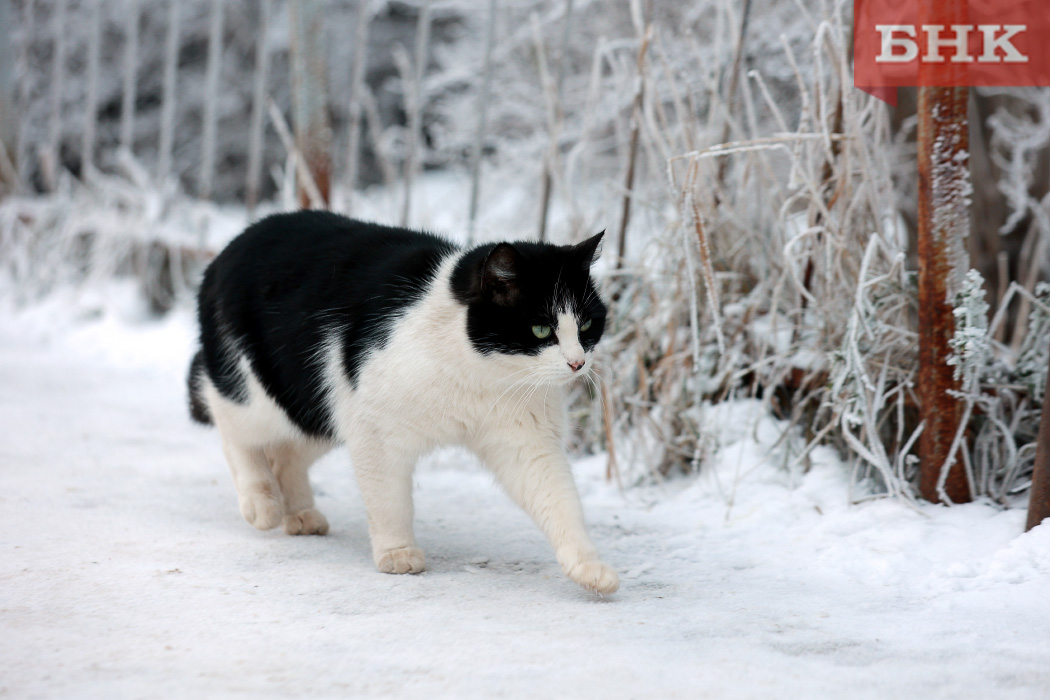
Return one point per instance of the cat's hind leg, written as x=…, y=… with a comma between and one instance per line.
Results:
x=258, y=492
x=246, y=426
x=290, y=463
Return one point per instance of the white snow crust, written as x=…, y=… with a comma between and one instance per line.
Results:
x=127, y=571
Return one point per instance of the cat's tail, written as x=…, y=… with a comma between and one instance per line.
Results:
x=194, y=382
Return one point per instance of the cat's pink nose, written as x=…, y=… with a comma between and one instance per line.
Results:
x=577, y=366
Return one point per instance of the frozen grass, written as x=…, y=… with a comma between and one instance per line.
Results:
x=773, y=261
x=764, y=205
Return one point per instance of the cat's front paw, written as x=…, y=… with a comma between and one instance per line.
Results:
x=306, y=522
x=261, y=510
x=403, y=560
x=594, y=575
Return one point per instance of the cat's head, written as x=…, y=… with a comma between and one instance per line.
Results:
x=534, y=305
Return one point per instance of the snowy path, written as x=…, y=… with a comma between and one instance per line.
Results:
x=126, y=570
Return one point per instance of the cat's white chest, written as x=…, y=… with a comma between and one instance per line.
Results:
x=428, y=387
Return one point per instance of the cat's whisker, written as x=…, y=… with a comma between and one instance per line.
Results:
x=523, y=382
x=522, y=404
x=516, y=373
x=597, y=387
x=546, y=395
x=598, y=376
x=511, y=406
x=532, y=372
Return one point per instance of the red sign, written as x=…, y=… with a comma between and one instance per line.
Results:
x=949, y=43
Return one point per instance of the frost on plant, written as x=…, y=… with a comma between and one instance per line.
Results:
x=1018, y=144
x=1034, y=358
x=969, y=344
x=770, y=250
x=951, y=193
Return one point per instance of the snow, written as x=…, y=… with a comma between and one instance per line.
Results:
x=127, y=570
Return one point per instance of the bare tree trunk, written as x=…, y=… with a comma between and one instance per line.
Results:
x=131, y=52
x=555, y=114
x=1039, y=497
x=167, y=114
x=50, y=160
x=357, y=83
x=731, y=89
x=944, y=222
x=8, y=121
x=375, y=129
x=297, y=164
x=22, y=154
x=632, y=153
x=211, y=94
x=255, y=135
x=482, y=127
x=87, y=147
x=313, y=132
x=414, y=98
x=550, y=98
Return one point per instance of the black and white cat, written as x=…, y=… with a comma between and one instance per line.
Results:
x=317, y=330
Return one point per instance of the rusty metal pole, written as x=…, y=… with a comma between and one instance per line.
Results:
x=944, y=224
x=944, y=221
x=1039, y=496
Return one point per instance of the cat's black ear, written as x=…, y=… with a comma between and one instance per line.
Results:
x=499, y=275
x=590, y=250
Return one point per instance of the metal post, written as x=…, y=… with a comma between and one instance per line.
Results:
x=944, y=222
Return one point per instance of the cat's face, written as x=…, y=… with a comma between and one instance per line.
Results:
x=534, y=308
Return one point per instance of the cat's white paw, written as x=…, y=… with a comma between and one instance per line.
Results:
x=262, y=510
x=594, y=575
x=403, y=560
x=306, y=522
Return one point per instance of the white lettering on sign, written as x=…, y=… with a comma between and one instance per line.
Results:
x=890, y=43
x=1003, y=42
x=934, y=42
x=899, y=45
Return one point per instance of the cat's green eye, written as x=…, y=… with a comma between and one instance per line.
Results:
x=585, y=326
x=541, y=332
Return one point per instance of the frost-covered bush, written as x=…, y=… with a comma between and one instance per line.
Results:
x=970, y=342
x=1033, y=357
x=785, y=269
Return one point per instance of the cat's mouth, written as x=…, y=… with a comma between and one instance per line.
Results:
x=558, y=378
x=574, y=375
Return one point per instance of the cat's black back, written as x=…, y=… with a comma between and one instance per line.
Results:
x=281, y=288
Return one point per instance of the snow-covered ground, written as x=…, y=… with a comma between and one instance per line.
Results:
x=127, y=570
